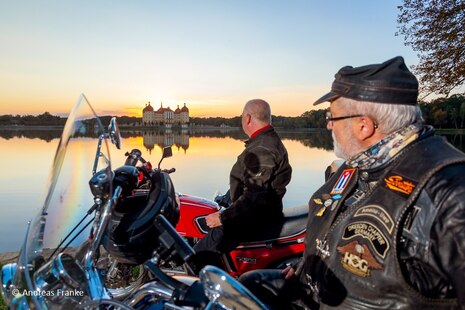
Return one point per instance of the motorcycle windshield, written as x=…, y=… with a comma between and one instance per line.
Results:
x=68, y=197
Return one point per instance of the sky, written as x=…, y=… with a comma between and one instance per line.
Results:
x=213, y=55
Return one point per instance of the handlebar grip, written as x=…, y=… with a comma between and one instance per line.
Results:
x=169, y=170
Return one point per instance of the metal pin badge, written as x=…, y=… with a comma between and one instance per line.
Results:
x=321, y=211
x=322, y=248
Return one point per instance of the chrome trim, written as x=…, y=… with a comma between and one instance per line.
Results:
x=226, y=292
x=104, y=220
x=264, y=243
x=97, y=288
x=212, y=206
x=62, y=281
x=156, y=290
x=196, y=220
x=188, y=280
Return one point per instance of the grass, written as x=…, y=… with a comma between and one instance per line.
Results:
x=2, y=302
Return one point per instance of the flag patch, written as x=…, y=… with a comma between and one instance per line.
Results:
x=342, y=182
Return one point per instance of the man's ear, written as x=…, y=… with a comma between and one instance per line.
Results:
x=366, y=128
x=248, y=118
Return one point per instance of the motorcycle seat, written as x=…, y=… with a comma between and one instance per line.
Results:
x=294, y=224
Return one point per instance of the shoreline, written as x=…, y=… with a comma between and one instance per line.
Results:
x=126, y=128
x=8, y=257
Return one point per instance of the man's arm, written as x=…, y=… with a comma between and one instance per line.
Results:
x=259, y=165
x=448, y=231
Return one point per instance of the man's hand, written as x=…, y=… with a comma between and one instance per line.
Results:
x=213, y=220
x=288, y=272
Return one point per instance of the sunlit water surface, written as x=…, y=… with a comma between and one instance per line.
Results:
x=202, y=162
x=202, y=165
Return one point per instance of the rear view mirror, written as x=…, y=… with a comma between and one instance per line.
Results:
x=167, y=152
x=113, y=132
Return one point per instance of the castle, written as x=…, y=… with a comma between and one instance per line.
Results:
x=165, y=116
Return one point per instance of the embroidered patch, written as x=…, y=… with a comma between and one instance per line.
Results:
x=398, y=184
x=357, y=259
x=369, y=232
x=337, y=196
x=342, y=182
x=318, y=201
x=378, y=213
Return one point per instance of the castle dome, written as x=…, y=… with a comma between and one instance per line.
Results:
x=148, y=108
x=184, y=108
x=178, y=110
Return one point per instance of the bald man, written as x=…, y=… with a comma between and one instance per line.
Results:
x=257, y=185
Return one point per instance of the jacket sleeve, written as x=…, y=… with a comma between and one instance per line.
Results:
x=448, y=230
x=260, y=165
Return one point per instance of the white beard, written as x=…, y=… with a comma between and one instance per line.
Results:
x=351, y=148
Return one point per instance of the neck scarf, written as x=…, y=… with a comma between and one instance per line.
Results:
x=386, y=149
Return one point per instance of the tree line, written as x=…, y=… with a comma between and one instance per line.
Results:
x=444, y=113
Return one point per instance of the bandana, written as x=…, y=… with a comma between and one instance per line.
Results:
x=387, y=148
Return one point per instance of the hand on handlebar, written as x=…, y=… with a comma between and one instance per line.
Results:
x=213, y=220
x=288, y=272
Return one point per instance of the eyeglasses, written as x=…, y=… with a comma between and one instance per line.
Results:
x=330, y=118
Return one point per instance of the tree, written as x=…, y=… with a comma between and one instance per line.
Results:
x=439, y=117
x=435, y=29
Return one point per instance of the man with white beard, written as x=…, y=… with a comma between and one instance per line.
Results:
x=387, y=230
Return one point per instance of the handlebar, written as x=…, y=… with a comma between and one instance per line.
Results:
x=169, y=170
x=135, y=156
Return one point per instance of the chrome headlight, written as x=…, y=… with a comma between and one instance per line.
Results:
x=227, y=292
x=62, y=280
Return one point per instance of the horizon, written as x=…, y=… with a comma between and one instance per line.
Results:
x=65, y=115
x=213, y=56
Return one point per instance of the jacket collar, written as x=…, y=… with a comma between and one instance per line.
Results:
x=259, y=132
x=256, y=133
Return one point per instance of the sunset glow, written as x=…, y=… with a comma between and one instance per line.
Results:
x=213, y=56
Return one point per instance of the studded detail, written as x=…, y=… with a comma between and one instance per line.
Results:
x=322, y=248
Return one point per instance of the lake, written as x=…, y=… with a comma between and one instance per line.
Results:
x=202, y=160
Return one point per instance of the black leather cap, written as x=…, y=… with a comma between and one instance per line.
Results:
x=389, y=82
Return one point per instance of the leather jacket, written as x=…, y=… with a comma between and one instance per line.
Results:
x=257, y=185
x=393, y=236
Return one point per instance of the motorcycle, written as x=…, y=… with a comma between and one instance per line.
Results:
x=131, y=228
x=276, y=248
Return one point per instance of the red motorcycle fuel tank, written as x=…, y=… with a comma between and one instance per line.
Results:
x=192, y=209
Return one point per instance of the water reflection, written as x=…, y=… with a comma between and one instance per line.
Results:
x=312, y=138
x=202, y=158
x=179, y=139
x=47, y=134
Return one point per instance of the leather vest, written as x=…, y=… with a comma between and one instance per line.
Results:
x=351, y=257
